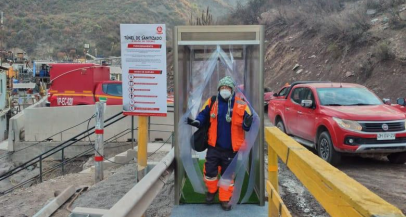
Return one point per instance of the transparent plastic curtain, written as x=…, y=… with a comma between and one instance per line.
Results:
x=237, y=169
x=201, y=78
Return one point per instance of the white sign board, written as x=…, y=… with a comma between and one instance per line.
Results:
x=143, y=59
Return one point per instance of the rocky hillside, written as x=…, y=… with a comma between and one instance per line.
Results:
x=360, y=41
x=45, y=27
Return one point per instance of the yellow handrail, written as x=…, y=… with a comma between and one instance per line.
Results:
x=339, y=194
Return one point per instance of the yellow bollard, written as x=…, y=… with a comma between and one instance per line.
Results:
x=142, y=145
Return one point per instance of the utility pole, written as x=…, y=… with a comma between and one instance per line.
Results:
x=99, y=146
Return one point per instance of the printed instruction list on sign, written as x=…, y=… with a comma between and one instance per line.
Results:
x=143, y=58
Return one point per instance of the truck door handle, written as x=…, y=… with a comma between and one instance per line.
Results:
x=299, y=112
x=287, y=109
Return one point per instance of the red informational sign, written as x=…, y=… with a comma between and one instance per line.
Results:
x=157, y=46
x=143, y=72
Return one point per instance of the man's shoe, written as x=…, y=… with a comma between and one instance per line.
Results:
x=225, y=206
x=210, y=197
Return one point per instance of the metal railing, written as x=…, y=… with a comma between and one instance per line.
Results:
x=39, y=178
x=61, y=148
x=339, y=194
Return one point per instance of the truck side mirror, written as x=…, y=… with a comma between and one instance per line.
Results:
x=386, y=101
x=307, y=103
x=400, y=101
x=275, y=94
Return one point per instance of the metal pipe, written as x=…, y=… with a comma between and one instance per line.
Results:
x=173, y=139
x=40, y=168
x=261, y=113
x=63, y=161
x=177, y=75
x=99, y=146
x=132, y=131
x=137, y=200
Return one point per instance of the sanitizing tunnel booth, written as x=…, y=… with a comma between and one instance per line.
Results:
x=202, y=56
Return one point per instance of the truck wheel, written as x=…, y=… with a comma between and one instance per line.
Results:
x=326, y=149
x=279, y=124
x=397, y=158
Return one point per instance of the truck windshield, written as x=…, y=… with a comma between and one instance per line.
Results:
x=352, y=96
x=113, y=89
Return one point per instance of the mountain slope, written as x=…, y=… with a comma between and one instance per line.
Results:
x=354, y=42
x=45, y=27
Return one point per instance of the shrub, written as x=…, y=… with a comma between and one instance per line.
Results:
x=366, y=68
x=381, y=5
x=348, y=26
x=383, y=52
x=395, y=21
x=334, y=50
x=248, y=14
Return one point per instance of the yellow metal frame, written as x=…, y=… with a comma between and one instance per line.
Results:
x=339, y=194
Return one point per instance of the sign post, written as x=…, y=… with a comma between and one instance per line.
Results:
x=143, y=58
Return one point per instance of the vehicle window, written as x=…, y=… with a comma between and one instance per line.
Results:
x=351, y=96
x=283, y=92
x=296, y=94
x=302, y=93
x=113, y=89
x=309, y=95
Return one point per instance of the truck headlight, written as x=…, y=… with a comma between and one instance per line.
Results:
x=347, y=124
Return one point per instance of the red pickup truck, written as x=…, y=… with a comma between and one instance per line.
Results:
x=82, y=84
x=338, y=118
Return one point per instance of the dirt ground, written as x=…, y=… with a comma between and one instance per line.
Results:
x=26, y=202
x=384, y=179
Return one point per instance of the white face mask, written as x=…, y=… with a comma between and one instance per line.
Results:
x=225, y=94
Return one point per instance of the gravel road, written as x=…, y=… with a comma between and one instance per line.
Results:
x=384, y=179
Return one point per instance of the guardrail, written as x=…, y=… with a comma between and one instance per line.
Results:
x=339, y=194
x=137, y=200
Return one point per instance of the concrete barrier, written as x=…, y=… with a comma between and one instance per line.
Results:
x=16, y=125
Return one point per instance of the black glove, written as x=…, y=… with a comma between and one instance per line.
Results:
x=248, y=120
x=192, y=122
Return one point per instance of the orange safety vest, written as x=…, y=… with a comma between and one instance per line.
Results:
x=237, y=118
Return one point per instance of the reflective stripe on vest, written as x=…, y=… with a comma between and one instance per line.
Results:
x=237, y=132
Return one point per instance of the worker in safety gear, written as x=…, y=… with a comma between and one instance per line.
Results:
x=229, y=117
